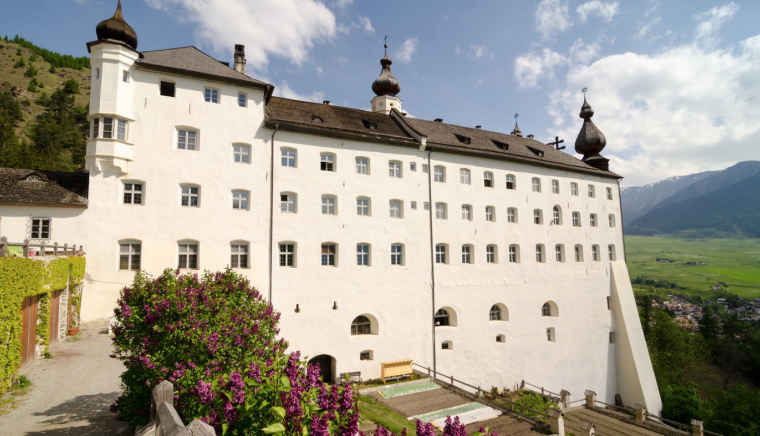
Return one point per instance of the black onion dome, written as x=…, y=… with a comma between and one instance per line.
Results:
x=386, y=84
x=591, y=140
x=117, y=29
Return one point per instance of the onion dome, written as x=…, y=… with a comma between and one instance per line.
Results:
x=590, y=141
x=115, y=28
x=386, y=84
x=517, y=131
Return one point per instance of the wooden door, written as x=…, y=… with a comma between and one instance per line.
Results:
x=28, y=330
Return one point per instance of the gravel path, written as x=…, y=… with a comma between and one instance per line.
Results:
x=72, y=392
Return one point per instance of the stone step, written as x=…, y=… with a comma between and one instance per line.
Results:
x=605, y=425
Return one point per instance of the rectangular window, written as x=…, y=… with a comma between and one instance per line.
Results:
x=510, y=181
x=577, y=253
x=240, y=200
x=121, y=129
x=466, y=254
x=365, y=355
x=125, y=77
x=327, y=162
x=186, y=139
x=188, y=256
x=328, y=205
x=167, y=88
x=439, y=175
x=40, y=228
x=211, y=95
x=490, y=254
x=96, y=128
x=489, y=213
x=466, y=212
x=129, y=256
x=555, y=186
x=577, y=219
x=609, y=193
x=536, y=183
x=362, y=206
x=593, y=220
x=362, y=166
x=539, y=253
x=395, y=209
x=133, y=193
x=287, y=203
x=426, y=205
x=190, y=196
x=397, y=254
x=242, y=99
x=558, y=253
x=394, y=169
x=287, y=254
x=512, y=254
x=288, y=158
x=362, y=254
x=591, y=193
x=595, y=253
x=97, y=73
x=574, y=189
x=511, y=218
x=440, y=253
x=413, y=205
x=240, y=153
x=536, y=216
x=328, y=254
x=440, y=211
x=107, y=128
x=239, y=256
x=412, y=166
x=425, y=168
x=464, y=176
x=488, y=180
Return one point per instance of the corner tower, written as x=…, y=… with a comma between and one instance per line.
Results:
x=112, y=58
x=386, y=87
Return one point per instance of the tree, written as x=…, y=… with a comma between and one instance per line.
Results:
x=30, y=71
x=58, y=135
x=673, y=351
x=71, y=87
x=734, y=412
x=13, y=153
x=682, y=404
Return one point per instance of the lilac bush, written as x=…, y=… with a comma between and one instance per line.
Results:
x=215, y=339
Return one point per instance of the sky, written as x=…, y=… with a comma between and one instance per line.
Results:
x=675, y=84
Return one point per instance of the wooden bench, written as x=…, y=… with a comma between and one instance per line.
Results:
x=352, y=376
x=395, y=369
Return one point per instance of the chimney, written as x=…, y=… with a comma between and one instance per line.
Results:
x=530, y=136
x=438, y=120
x=326, y=102
x=240, y=58
x=477, y=127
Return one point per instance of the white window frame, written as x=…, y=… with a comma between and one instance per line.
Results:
x=396, y=208
x=397, y=254
x=555, y=186
x=211, y=94
x=467, y=254
x=535, y=184
x=395, y=169
x=511, y=182
x=591, y=191
x=540, y=253
x=185, y=251
x=122, y=129
x=135, y=196
x=186, y=191
x=611, y=252
x=576, y=219
x=131, y=253
x=538, y=216
x=578, y=250
x=611, y=220
x=490, y=213
x=329, y=205
x=288, y=202
x=440, y=211
x=240, y=255
x=241, y=199
x=327, y=162
x=574, y=189
x=362, y=165
x=108, y=128
x=125, y=76
x=514, y=253
x=187, y=139
x=440, y=253
x=465, y=177
x=329, y=259
x=363, y=209
x=559, y=253
x=595, y=253
x=241, y=153
x=467, y=212
x=42, y=224
x=413, y=166
x=491, y=253
x=593, y=220
x=557, y=215
x=439, y=174
x=288, y=157
x=488, y=179
x=286, y=254
x=609, y=193
x=512, y=215
x=425, y=168
x=363, y=254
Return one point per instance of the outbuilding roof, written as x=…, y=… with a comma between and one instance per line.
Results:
x=193, y=62
x=351, y=123
x=43, y=188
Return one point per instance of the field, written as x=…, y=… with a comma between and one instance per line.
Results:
x=732, y=261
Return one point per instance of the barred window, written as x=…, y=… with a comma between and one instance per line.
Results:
x=40, y=228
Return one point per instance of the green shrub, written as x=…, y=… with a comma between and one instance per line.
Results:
x=32, y=58
x=26, y=102
x=18, y=52
x=21, y=382
x=19, y=63
x=682, y=404
x=71, y=87
x=30, y=71
x=52, y=69
x=31, y=88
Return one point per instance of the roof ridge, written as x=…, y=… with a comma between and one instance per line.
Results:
x=170, y=49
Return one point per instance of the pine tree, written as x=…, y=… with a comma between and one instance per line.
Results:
x=58, y=135
x=10, y=115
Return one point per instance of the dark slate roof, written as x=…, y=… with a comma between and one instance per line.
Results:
x=193, y=62
x=55, y=189
x=348, y=123
x=340, y=121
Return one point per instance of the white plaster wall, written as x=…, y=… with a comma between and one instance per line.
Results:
x=67, y=223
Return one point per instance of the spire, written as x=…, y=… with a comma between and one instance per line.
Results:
x=591, y=141
x=386, y=84
x=115, y=28
x=517, y=131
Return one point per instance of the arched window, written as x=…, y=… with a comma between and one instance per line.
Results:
x=514, y=253
x=556, y=215
x=441, y=318
x=464, y=176
x=611, y=252
x=511, y=182
x=540, y=253
x=488, y=179
x=549, y=309
x=536, y=184
x=512, y=215
x=495, y=313
x=579, y=253
x=537, y=216
x=555, y=186
x=559, y=253
x=612, y=220
x=361, y=326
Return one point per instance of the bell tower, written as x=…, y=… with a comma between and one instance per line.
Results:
x=386, y=87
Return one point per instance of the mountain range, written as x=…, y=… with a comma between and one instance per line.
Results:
x=726, y=201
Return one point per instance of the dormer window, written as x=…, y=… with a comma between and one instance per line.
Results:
x=370, y=125
x=501, y=145
x=538, y=153
x=34, y=178
x=316, y=119
x=463, y=139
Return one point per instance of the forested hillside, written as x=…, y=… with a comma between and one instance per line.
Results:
x=732, y=209
x=638, y=200
x=44, y=100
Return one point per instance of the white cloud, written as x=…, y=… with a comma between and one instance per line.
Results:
x=284, y=28
x=457, y=51
x=681, y=111
x=366, y=25
x=582, y=53
x=552, y=17
x=340, y=60
x=531, y=67
x=645, y=28
x=343, y=4
x=286, y=92
x=407, y=49
x=711, y=21
x=479, y=51
x=655, y=4
x=605, y=11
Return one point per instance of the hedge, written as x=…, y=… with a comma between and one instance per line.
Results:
x=21, y=278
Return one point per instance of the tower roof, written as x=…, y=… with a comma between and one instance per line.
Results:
x=386, y=84
x=117, y=29
x=590, y=141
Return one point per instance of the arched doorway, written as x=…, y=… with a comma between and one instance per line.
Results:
x=326, y=367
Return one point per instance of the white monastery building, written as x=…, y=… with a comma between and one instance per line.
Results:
x=491, y=257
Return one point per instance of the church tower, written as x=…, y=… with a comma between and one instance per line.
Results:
x=591, y=141
x=112, y=58
x=386, y=88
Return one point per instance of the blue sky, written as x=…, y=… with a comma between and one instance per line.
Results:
x=673, y=83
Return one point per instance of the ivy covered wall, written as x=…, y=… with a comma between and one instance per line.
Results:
x=21, y=278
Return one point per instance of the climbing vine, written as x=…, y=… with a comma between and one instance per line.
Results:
x=21, y=278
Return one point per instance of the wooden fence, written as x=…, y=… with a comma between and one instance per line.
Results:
x=164, y=418
x=44, y=247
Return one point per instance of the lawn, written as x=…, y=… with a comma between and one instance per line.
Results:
x=732, y=261
x=377, y=412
